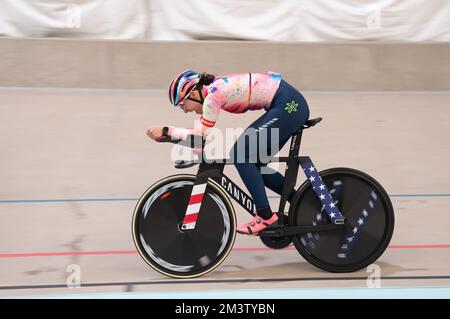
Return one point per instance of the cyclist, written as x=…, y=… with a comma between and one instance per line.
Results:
x=285, y=110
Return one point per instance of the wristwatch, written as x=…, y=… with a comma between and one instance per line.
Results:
x=165, y=131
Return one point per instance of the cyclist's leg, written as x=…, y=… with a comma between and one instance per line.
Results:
x=273, y=179
x=243, y=154
x=288, y=112
x=250, y=171
x=245, y=160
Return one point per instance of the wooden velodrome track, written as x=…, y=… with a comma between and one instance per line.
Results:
x=74, y=162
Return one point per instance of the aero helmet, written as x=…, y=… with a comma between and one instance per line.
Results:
x=182, y=85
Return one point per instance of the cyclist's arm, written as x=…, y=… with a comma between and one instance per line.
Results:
x=180, y=133
x=211, y=109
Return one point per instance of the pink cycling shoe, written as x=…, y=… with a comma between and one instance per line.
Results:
x=256, y=225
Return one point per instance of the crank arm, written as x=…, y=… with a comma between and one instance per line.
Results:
x=286, y=231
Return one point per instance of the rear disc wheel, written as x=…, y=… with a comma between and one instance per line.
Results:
x=368, y=228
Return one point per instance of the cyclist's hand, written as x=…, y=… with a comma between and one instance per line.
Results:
x=155, y=132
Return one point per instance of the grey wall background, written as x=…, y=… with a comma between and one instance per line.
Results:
x=270, y=20
x=368, y=66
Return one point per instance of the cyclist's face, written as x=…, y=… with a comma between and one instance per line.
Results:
x=192, y=106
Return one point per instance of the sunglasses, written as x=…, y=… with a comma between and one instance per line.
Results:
x=187, y=97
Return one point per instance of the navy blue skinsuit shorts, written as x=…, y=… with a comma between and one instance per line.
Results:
x=286, y=114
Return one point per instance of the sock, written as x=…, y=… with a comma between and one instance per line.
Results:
x=265, y=212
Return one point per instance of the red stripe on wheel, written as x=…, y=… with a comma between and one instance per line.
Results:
x=195, y=199
x=191, y=218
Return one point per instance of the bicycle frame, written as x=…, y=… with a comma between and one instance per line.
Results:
x=334, y=245
x=214, y=171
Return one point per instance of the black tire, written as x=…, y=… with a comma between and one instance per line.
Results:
x=369, y=221
x=183, y=253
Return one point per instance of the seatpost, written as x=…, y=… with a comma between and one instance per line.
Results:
x=295, y=144
x=290, y=176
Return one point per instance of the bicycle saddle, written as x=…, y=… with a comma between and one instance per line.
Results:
x=185, y=164
x=311, y=123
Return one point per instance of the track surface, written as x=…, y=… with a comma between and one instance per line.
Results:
x=74, y=162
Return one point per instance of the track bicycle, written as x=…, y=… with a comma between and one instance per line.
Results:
x=340, y=219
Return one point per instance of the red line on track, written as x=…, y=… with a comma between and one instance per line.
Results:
x=133, y=252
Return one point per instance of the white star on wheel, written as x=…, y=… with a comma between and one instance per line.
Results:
x=360, y=221
x=322, y=186
x=373, y=195
x=322, y=196
x=332, y=205
x=355, y=230
x=311, y=169
x=312, y=179
x=365, y=213
x=350, y=239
